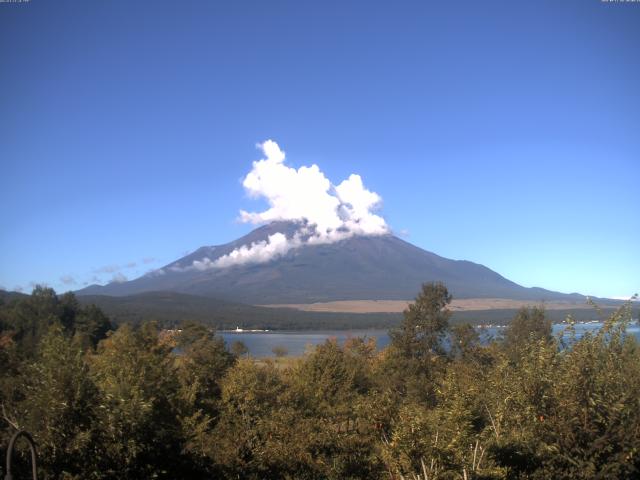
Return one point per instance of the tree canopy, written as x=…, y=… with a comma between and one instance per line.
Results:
x=438, y=403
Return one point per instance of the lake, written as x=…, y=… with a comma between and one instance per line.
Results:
x=260, y=344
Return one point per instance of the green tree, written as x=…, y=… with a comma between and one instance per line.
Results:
x=203, y=362
x=91, y=325
x=59, y=406
x=250, y=426
x=30, y=318
x=138, y=417
x=327, y=381
x=465, y=341
x=329, y=389
x=425, y=323
x=593, y=426
x=529, y=325
x=239, y=349
x=415, y=359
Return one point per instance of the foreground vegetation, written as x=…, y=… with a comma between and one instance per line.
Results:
x=436, y=404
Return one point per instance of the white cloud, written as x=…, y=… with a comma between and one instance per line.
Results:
x=258, y=252
x=306, y=194
x=154, y=272
x=326, y=213
x=203, y=264
x=633, y=298
x=107, y=269
x=118, y=278
x=356, y=204
x=68, y=280
x=276, y=245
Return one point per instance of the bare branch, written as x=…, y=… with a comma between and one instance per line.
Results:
x=493, y=424
x=8, y=420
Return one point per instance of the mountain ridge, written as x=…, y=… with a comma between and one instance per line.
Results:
x=382, y=267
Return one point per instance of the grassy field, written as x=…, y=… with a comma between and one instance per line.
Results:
x=397, y=306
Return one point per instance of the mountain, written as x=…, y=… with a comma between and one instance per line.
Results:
x=357, y=268
x=7, y=297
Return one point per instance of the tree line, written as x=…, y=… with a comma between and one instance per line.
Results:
x=104, y=402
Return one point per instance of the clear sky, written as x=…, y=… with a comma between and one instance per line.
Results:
x=506, y=133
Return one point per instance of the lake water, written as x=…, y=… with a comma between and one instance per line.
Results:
x=261, y=344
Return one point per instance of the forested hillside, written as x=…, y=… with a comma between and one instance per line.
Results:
x=106, y=404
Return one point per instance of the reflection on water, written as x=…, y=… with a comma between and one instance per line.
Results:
x=261, y=344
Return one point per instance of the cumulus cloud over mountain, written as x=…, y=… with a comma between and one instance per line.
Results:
x=325, y=212
x=307, y=195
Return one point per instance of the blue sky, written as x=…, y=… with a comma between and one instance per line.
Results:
x=506, y=133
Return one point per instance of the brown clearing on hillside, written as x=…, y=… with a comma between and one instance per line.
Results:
x=395, y=306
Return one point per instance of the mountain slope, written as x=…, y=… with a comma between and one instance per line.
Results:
x=358, y=268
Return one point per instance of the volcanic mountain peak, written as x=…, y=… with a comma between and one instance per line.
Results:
x=354, y=268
